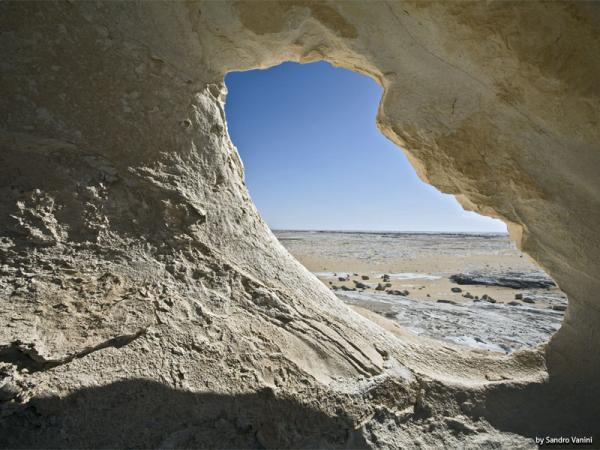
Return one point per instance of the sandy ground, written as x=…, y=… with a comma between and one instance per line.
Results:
x=422, y=288
x=430, y=305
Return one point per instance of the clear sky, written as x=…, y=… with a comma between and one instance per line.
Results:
x=315, y=160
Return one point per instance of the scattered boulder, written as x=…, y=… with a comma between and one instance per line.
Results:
x=518, y=296
x=515, y=280
x=456, y=289
x=342, y=279
x=397, y=292
x=389, y=285
x=380, y=287
x=365, y=277
x=487, y=298
x=468, y=295
x=450, y=302
x=528, y=300
x=559, y=307
x=360, y=285
x=514, y=303
x=385, y=277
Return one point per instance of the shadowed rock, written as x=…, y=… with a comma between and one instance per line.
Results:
x=515, y=280
x=144, y=414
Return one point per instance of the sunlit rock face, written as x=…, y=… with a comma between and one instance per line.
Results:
x=144, y=301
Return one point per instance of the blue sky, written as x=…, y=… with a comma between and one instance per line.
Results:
x=315, y=160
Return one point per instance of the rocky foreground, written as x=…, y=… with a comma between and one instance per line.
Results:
x=145, y=303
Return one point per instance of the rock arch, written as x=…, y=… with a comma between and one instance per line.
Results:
x=129, y=242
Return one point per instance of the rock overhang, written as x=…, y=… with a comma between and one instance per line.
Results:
x=144, y=184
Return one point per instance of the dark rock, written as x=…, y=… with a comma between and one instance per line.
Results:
x=559, y=307
x=342, y=279
x=456, y=289
x=487, y=298
x=450, y=302
x=360, y=285
x=514, y=303
x=468, y=295
x=380, y=287
x=397, y=292
x=365, y=277
x=518, y=296
x=528, y=300
x=388, y=285
x=515, y=280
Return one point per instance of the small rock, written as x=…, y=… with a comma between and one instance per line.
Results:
x=559, y=307
x=456, y=289
x=514, y=303
x=380, y=287
x=528, y=300
x=518, y=296
x=360, y=285
x=342, y=279
x=389, y=285
x=365, y=277
x=447, y=301
x=397, y=292
x=487, y=298
x=468, y=295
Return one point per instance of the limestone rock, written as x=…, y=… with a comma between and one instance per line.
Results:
x=144, y=301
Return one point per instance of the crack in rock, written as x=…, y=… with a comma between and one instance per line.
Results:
x=26, y=356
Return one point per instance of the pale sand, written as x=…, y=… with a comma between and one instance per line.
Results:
x=318, y=257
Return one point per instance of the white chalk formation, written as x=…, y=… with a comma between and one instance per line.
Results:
x=146, y=304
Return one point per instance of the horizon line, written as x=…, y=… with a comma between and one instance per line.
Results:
x=390, y=231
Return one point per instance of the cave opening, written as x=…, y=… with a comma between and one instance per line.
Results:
x=347, y=204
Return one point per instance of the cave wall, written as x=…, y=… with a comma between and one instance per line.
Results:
x=130, y=249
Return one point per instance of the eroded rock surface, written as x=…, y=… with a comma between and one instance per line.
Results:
x=146, y=304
